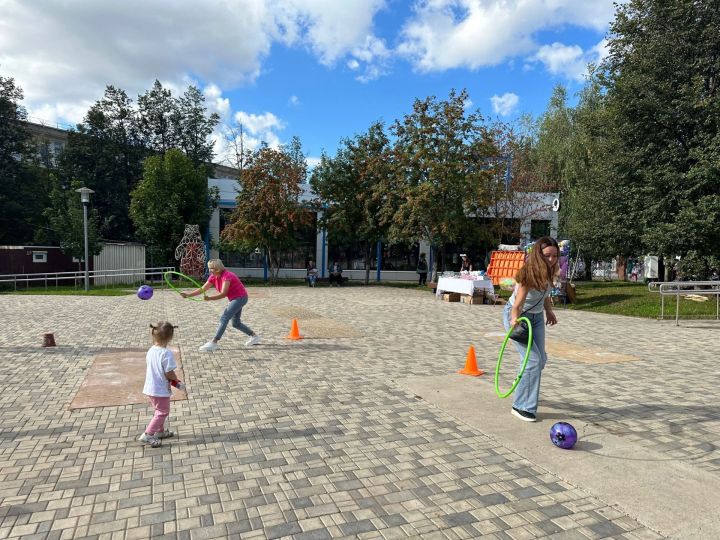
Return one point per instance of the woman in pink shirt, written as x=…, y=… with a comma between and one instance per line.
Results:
x=228, y=286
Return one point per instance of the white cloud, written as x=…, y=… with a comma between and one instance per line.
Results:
x=569, y=60
x=63, y=54
x=215, y=102
x=506, y=104
x=312, y=162
x=353, y=64
x=294, y=101
x=444, y=34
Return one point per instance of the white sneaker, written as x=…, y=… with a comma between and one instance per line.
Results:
x=210, y=346
x=252, y=341
x=152, y=440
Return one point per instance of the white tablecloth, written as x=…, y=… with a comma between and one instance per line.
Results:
x=463, y=286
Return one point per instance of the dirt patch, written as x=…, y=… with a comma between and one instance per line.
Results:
x=577, y=353
x=117, y=377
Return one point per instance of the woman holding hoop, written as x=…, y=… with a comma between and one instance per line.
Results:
x=228, y=286
x=529, y=299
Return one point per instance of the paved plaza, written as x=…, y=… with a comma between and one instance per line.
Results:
x=362, y=430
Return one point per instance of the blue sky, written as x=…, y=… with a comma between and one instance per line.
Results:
x=319, y=69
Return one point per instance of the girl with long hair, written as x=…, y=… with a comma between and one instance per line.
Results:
x=530, y=299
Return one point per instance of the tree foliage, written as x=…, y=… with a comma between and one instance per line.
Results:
x=662, y=78
x=172, y=193
x=65, y=215
x=443, y=157
x=105, y=154
x=18, y=189
x=352, y=188
x=269, y=211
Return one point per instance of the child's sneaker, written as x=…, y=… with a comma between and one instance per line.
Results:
x=152, y=440
x=164, y=434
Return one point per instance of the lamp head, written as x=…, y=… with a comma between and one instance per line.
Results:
x=85, y=194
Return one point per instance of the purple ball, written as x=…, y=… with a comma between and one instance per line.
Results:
x=563, y=435
x=145, y=292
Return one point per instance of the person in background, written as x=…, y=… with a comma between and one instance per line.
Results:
x=335, y=274
x=422, y=270
x=311, y=274
x=465, y=265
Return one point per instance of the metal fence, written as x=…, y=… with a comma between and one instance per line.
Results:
x=682, y=288
x=136, y=275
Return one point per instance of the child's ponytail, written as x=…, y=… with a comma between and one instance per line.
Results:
x=162, y=332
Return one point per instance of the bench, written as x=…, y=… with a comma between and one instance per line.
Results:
x=344, y=279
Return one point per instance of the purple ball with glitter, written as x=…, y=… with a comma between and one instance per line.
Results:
x=145, y=292
x=563, y=435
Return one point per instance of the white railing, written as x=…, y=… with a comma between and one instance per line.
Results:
x=143, y=274
x=679, y=288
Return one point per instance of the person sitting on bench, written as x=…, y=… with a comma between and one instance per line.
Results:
x=312, y=273
x=335, y=274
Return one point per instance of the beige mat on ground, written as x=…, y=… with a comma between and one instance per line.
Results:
x=577, y=353
x=116, y=377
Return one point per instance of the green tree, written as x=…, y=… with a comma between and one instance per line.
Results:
x=158, y=119
x=195, y=127
x=269, y=212
x=662, y=77
x=17, y=194
x=444, y=159
x=172, y=193
x=351, y=188
x=106, y=155
x=65, y=215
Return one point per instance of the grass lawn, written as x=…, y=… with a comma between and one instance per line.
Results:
x=111, y=290
x=634, y=299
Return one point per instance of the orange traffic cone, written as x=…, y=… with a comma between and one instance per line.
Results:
x=471, y=364
x=294, y=331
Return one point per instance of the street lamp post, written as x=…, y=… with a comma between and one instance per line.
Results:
x=85, y=198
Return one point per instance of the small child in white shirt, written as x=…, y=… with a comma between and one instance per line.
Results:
x=159, y=377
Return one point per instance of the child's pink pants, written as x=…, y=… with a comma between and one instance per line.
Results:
x=162, y=410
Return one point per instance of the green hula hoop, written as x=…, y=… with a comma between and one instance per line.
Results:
x=524, y=362
x=167, y=275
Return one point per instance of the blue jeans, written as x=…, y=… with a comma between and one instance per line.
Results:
x=528, y=390
x=232, y=313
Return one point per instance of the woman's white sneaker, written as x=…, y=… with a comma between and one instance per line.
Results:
x=252, y=341
x=210, y=346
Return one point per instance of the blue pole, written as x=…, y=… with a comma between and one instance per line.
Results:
x=379, y=259
x=265, y=267
x=322, y=272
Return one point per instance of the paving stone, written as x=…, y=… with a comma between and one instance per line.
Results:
x=317, y=432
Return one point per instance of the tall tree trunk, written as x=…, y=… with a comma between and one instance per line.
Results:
x=621, y=267
x=588, y=267
x=368, y=250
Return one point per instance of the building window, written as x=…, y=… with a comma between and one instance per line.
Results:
x=539, y=228
x=351, y=256
x=39, y=256
x=400, y=256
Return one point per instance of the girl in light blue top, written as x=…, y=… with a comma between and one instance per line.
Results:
x=530, y=298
